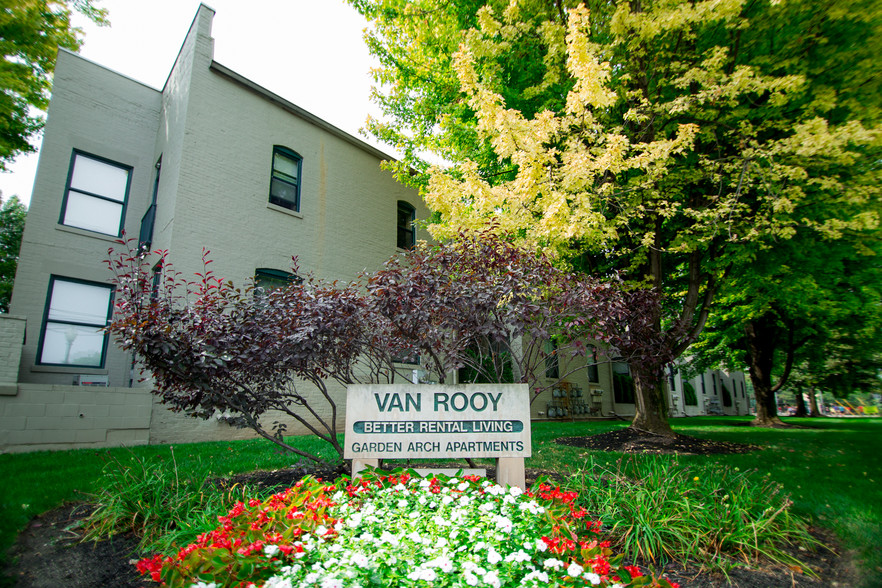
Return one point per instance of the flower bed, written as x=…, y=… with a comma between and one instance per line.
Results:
x=401, y=530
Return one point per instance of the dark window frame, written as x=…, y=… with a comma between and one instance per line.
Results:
x=552, y=360
x=52, y=280
x=280, y=277
x=405, y=232
x=593, y=367
x=278, y=175
x=67, y=189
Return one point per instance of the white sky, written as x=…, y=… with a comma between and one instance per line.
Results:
x=310, y=52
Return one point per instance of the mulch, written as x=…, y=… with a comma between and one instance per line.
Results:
x=49, y=552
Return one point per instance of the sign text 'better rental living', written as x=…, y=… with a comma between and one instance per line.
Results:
x=434, y=421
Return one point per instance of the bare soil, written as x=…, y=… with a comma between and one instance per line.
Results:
x=49, y=552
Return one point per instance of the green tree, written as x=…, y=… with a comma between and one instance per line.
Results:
x=31, y=32
x=805, y=314
x=663, y=141
x=12, y=222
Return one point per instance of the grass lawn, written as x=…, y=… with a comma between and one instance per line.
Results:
x=831, y=469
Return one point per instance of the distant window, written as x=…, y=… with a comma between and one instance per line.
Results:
x=672, y=378
x=623, y=383
x=552, y=363
x=96, y=193
x=689, y=397
x=73, y=325
x=285, y=181
x=156, y=281
x=406, y=216
x=266, y=280
x=703, y=386
x=593, y=371
x=727, y=396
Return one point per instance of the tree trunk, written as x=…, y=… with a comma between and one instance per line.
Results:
x=813, y=402
x=761, y=334
x=800, y=404
x=651, y=408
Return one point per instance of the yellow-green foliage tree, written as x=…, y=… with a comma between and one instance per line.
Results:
x=665, y=140
x=31, y=33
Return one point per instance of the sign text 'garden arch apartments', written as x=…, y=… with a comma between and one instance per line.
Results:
x=413, y=421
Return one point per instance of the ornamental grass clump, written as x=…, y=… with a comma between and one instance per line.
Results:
x=401, y=530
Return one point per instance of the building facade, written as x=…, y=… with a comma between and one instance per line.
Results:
x=211, y=161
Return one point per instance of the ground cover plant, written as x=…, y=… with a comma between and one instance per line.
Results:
x=829, y=470
x=401, y=530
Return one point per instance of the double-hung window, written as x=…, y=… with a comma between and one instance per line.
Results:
x=406, y=234
x=285, y=181
x=76, y=314
x=267, y=279
x=96, y=194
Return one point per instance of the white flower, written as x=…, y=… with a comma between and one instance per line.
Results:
x=470, y=579
x=574, y=570
x=321, y=530
x=388, y=537
x=462, y=486
x=354, y=519
x=446, y=500
x=426, y=574
x=402, y=503
x=541, y=545
x=269, y=551
x=360, y=560
x=553, y=563
x=493, y=557
x=278, y=582
x=503, y=524
x=424, y=483
x=332, y=583
x=492, y=578
x=593, y=578
x=537, y=575
x=399, y=487
x=203, y=585
x=311, y=578
x=517, y=556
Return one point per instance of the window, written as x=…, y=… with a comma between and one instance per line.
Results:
x=727, y=396
x=406, y=234
x=76, y=314
x=156, y=282
x=95, y=197
x=672, y=378
x=552, y=364
x=593, y=371
x=285, y=181
x=703, y=386
x=689, y=396
x=266, y=280
x=623, y=383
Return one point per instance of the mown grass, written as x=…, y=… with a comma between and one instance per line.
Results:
x=830, y=469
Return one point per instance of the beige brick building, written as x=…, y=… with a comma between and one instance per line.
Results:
x=212, y=161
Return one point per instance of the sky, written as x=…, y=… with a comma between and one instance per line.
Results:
x=310, y=52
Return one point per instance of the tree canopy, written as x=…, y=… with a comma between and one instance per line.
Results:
x=31, y=32
x=12, y=222
x=668, y=142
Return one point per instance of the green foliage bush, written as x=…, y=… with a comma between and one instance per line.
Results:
x=658, y=509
